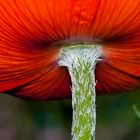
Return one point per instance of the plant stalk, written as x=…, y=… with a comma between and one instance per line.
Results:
x=81, y=61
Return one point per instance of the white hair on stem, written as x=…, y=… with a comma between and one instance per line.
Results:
x=81, y=61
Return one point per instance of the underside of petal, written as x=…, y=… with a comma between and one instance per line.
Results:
x=34, y=31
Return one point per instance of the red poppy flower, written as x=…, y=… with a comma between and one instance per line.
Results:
x=33, y=32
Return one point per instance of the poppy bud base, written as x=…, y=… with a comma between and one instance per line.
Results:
x=80, y=61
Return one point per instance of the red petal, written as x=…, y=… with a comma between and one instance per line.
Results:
x=28, y=64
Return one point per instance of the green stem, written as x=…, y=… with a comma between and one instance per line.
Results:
x=81, y=61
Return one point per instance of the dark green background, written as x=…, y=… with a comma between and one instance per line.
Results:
x=26, y=120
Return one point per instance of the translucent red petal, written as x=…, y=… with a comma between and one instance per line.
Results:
x=32, y=33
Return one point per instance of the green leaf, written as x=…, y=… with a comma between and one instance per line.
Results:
x=136, y=110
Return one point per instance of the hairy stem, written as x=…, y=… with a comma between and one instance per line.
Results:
x=80, y=61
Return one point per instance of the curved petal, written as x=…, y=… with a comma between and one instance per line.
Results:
x=30, y=30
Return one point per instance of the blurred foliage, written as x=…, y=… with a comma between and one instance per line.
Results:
x=136, y=110
x=117, y=116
